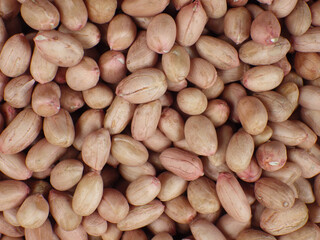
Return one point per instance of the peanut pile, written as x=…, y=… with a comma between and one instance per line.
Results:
x=159, y=119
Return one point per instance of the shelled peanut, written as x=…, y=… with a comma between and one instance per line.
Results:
x=159, y=119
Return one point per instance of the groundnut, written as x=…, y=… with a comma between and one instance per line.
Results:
x=232, y=93
x=224, y=134
x=9, y=9
x=202, y=228
x=172, y=186
x=274, y=194
x=231, y=227
x=21, y=132
x=291, y=91
x=42, y=155
x=282, y=8
x=141, y=216
x=171, y=124
x=59, y=129
x=88, y=194
x=100, y=11
x=265, y=28
x=9, y=230
x=121, y=32
x=89, y=36
x=280, y=222
x=145, y=120
x=14, y=166
x=252, y=173
x=132, y=173
x=61, y=209
x=134, y=234
x=157, y=142
x=237, y=23
x=78, y=233
x=128, y=151
x=195, y=15
x=288, y=132
x=18, y=91
x=66, y=174
x=88, y=122
x=202, y=195
x=215, y=90
x=33, y=212
x=48, y=16
x=46, y=99
x=59, y=48
x=96, y=149
x=162, y=224
x=308, y=162
x=311, y=139
x=262, y=78
x=161, y=33
x=112, y=66
x=192, y=101
x=307, y=42
x=305, y=65
x=218, y=52
x=143, y=190
x=272, y=155
x=114, y=206
x=180, y=210
x=118, y=115
x=42, y=232
x=200, y=135
x=202, y=73
x=288, y=174
x=84, y=75
x=293, y=77
x=232, y=197
x=176, y=64
x=311, y=118
x=142, y=86
x=215, y=9
x=301, y=11
x=278, y=107
x=112, y=232
x=15, y=56
x=143, y=8
x=42, y=70
x=239, y=151
x=139, y=55
x=94, y=224
x=255, y=53
x=184, y=164
x=252, y=114
x=233, y=74
x=254, y=9
x=217, y=111
x=98, y=97
x=252, y=234
x=305, y=191
x=74, y=14
x=310, y=230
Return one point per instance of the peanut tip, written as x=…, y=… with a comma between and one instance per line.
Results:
x=274, y=40
x=40, y=38
x=120, y=60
